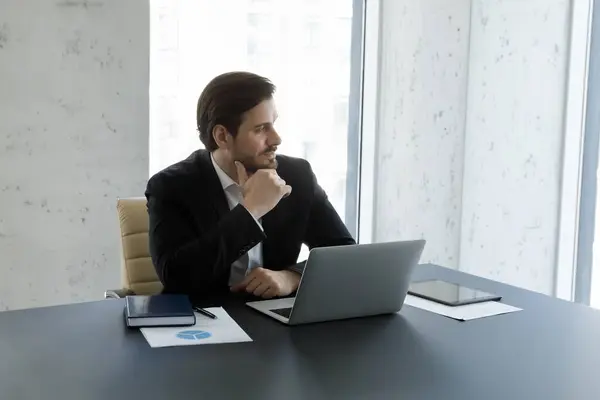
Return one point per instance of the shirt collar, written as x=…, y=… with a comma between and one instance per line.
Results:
x=226, y=181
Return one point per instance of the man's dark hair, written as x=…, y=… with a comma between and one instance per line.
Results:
x=224, y=101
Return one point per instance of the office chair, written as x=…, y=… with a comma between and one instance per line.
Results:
x=138, y=275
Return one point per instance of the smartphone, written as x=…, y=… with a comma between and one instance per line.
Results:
x=450, y=294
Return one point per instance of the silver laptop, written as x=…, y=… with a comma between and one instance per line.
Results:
x=347, y=282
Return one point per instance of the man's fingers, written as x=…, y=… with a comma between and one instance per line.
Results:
x=237, y=288
x=242, y=174
x=270, y=293
x=254, y=283
x=260, y=289
x=260, y=282
x=287, y=189
x=242, y=285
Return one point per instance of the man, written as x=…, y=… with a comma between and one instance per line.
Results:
x=233, y=217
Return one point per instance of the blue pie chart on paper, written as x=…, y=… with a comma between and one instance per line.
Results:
x=193, y=335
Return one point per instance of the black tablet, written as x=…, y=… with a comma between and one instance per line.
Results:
x=450, y=294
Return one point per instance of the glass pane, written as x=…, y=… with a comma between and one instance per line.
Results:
x=595, y=283
x=303, y=46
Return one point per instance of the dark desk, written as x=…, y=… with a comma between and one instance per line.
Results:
x=551, y=350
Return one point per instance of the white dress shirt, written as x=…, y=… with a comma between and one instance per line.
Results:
x=233, y=193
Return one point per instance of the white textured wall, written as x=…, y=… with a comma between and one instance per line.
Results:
x=480, y=181
x=421, y=123
x=73, y=137
x=513, y=144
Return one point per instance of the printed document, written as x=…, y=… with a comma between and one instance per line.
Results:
x=461, y=313
x=224, y=329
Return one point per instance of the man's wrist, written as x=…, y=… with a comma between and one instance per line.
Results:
x=293, y=278
x=252, y=209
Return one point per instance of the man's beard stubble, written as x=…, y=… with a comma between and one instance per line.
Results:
x=251, y=166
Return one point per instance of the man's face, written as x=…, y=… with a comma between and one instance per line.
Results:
x=257, y=140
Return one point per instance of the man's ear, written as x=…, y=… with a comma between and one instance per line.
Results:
x=220, y=136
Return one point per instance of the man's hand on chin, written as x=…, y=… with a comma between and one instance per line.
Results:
x=266, y=283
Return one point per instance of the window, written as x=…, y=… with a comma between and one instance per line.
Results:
x=314, y=34
x=587, y=270
x=193, y=41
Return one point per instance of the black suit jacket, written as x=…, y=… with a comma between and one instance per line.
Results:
x=194, y=237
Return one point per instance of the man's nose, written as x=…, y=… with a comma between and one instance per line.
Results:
x=274, y=138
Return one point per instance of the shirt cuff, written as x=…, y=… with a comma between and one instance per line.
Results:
x=299, y=267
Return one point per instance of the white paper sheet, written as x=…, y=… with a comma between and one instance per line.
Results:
x=461, y=313
x=224, y=329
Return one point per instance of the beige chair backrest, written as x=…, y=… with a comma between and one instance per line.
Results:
x=137, y=272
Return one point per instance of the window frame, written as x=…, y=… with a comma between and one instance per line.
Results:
x=355, y=131
x=370, y=108
x=583, y=269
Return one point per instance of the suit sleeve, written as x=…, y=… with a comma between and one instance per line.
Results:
x=190, y=261
x=325, y=227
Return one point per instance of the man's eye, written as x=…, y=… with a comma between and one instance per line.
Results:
x=260, y=129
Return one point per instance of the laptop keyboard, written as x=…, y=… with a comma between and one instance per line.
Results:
x=284, y=312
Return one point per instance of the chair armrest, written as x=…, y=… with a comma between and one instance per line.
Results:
x=118, y=293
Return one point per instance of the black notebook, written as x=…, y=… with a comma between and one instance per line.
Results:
x=159, y=310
